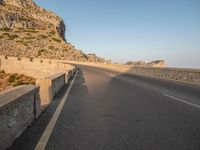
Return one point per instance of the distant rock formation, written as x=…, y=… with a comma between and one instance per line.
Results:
x=137, y=63
x=27, y=30
x=156, y=63
x=93, y=58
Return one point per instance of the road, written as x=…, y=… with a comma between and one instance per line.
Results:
x=106, y=110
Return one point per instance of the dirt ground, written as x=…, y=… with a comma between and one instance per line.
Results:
x=11, y=80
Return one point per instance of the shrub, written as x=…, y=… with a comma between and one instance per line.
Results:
x=17, y=31
x=6, y=29
x=31, y=31
x=25, y=43
x=52, y=32
x=66, y=50
x=20, y=82
x=41, y=51
x=28, y=34
x=23, y=19
x=43, y=36
x=12, y=37
x=19, y=41
x=28, y=38
x=7, y=34
x=13, y=78
x=1, y=37
x=51, y=47
x=56, y=40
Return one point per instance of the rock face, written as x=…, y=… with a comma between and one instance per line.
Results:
x=20, y=10
x=156, y=63
x=27, y=30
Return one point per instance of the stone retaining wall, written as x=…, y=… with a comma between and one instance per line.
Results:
x=19, y=106
x=114, y=67
x=49, y=87
x=46, y=72
x=37, y=68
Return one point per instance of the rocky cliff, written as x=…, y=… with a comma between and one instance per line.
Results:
x=27, y=30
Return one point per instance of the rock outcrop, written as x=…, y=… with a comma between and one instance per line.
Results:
x=137, y=63
x=27, y=30
x=156, y=63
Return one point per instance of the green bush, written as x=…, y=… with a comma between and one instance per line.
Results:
x=43, y=36
x=25, y=43
x=31, y=31
x=12, y=37
x=23, y=19
x=51, y=47
x=28, y=38
x=41, y=51
x=66, y=50
x=56, y=40
x=52, y=32
x=20, y=82
x=6, y=29
x=13, y=78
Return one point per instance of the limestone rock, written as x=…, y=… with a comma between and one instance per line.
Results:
x=156, y=63
x=27, y=30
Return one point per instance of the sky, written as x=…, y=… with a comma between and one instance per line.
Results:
x=132, y=30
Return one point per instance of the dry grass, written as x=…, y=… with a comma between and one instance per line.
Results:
x=12, y=80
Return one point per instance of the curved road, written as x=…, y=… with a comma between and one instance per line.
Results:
x=106, y=110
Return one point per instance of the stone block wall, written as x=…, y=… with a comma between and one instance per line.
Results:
x=49, y=87
x=50, y=75
x=19, y=106
x=114, y=67
x=37, y=68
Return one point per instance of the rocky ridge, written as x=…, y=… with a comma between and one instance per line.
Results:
x=28, y=30
x=156, y=63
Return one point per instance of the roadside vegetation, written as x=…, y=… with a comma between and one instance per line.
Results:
x=56, y=40
x=13, y=80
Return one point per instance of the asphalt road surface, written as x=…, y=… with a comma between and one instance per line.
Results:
x=106, y=110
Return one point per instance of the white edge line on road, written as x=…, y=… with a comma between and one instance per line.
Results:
x=47, y=133
x=111, y=75
x=181, y=100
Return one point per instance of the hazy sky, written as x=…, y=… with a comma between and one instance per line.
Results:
x=123, y=30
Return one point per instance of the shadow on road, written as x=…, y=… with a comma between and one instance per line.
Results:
x=28, y=140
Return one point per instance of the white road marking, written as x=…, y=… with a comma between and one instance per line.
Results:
x=111, y=75
x=47, y=133
x=108, y=74
x=181, y=100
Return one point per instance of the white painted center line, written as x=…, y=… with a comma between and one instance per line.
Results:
x=47, y=133
x=181, y=100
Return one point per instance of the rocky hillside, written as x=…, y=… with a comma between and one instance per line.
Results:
x=156, y=63
x=27, y=30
